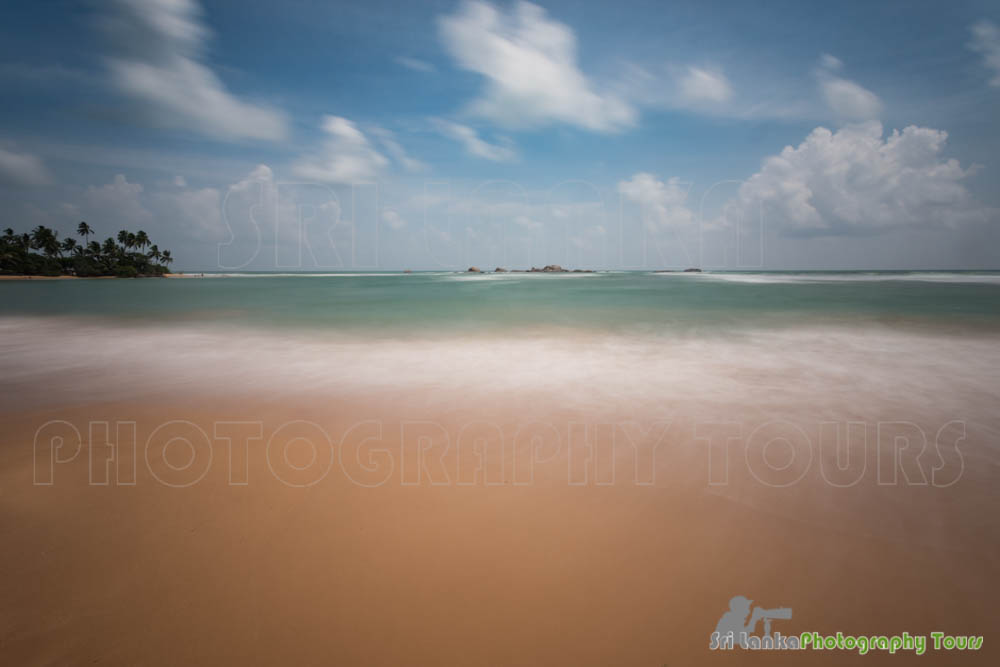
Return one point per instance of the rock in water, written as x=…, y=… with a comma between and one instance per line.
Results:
x=473, y=269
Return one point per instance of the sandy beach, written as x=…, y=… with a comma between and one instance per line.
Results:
x=411, y=557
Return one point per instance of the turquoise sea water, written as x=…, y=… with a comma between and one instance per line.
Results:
x=844, y=345
x=410, y=304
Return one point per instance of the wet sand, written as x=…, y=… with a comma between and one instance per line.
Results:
x=438, y=560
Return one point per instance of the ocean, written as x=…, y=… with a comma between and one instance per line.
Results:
x=446, y=303
x=846, y=345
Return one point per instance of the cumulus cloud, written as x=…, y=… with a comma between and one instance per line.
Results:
x=472, y=142
x=347, y=157
x=22, y=169
x=259, y=174
x=850, y=100
x=195, y=212
x=854, y=181
x=986, y=41
x=846, y=98
x=663, y=205
x=157, y=62
x=393, y=219
x=117, y=200
x=529, y=62
x=702, y=85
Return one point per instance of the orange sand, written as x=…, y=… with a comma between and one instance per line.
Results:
x=539, y=573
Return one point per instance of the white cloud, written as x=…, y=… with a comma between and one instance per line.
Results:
x=119, y=201
x=986, y=40
x=663, y=204
x=850, y=100
x=701, y=85
x=22, y=169
x=830, y=62
x=473, y=143
x=529, y=62
x=392, y=218
x=157, y=62
x=347, y=156
x=853, y=181
x=398, y=153
x=415, y=64
x=709, y=91
x=260, y=174
x=846, y=98
x=526, y=222
x=272, y=226
x=194, y=212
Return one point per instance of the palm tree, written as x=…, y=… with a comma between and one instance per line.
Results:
x=39, y=236
x=141, y=239
x=84, y=230
x=109, y=253
x=46, y=240
x=85, y=258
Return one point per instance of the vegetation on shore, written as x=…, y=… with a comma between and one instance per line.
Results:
x=42, y=253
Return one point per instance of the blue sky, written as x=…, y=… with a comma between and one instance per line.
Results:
x=318, y=135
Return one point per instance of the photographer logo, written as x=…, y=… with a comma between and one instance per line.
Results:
x=738, y=626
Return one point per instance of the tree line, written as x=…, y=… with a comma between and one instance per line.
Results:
x=42, y=253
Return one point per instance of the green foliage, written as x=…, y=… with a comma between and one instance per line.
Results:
x=87, y=267
x=41, y=253
x=126, y=271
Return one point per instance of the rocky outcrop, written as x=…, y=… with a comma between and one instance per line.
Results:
x=549, y=268
x=692, y=270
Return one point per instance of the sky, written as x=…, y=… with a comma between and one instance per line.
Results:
x=319, y=136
